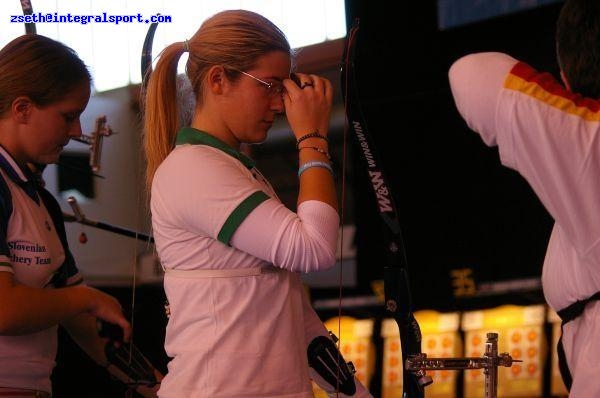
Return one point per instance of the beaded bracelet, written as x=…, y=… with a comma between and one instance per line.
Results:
x=316, y=148
x=314, y=163
x=314, y=134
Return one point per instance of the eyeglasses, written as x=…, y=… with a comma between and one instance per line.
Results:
x=273, y=89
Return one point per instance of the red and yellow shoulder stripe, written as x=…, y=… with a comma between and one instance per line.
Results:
x=544, y=87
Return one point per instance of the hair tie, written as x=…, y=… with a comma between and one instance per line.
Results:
x=186, y=46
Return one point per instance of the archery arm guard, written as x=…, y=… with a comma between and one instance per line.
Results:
x=327, y=361
x=127, y=358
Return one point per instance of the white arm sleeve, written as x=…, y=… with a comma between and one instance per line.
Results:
x=476, y=81
x=301, y=242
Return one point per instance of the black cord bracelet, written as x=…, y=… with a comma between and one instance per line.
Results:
x=314, y=134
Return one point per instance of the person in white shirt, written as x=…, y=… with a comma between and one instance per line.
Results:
x=44, y=89
x=241, y=324
x=549, y=131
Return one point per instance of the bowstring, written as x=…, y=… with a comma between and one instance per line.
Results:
x=343, y=205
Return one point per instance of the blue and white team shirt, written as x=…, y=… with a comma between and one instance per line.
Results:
x=34, y=249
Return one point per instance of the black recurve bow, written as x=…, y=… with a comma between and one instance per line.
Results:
x=146, y=61
x=398, y=304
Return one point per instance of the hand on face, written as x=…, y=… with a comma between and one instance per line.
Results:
x=308, y=105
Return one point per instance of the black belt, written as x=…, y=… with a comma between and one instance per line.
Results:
x=567, y=315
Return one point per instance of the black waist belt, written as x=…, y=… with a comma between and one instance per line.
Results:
x=576, y=309
x=566, y=315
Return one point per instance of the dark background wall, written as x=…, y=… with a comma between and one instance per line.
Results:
x=458, y=207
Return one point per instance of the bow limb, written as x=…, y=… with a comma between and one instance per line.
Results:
x=28, y=10
x=146, y=60
x=398, y=303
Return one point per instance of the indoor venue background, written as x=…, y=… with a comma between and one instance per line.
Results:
x=474, y=232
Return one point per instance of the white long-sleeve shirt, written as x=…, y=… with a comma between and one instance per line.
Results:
x=236, y=336
x=552, y=138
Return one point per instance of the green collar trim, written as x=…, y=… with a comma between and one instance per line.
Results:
x=190, y=135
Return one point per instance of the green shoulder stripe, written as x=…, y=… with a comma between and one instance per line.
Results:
x=239, y=214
